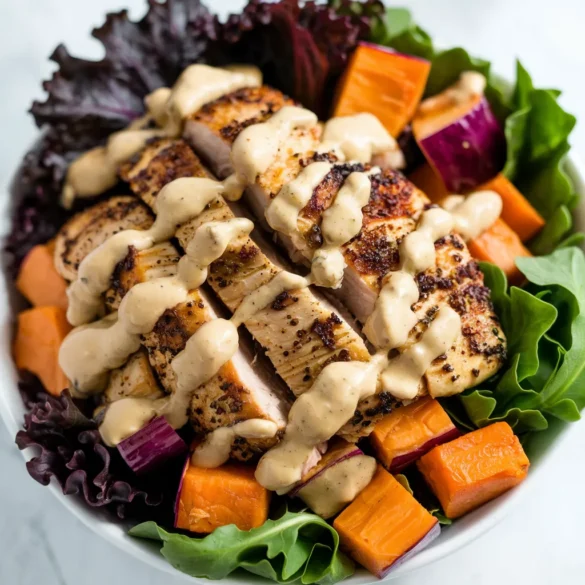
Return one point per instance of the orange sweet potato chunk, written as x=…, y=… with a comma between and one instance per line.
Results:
x=39, y=281
x=475, y=468
x=516, y=210
x=383, y=524
x=210, y=498
x=409, y=432
x=500, y=245
x=383, y=82
x=39, y=335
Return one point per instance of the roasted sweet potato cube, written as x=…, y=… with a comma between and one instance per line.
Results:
x=407, y=433
x=39, y=281
x=475, y=468
x=384, y=525
x=39, y=334
x=210, y=498
x=383, y=82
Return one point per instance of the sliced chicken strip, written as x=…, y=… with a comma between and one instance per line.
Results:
x=244, y=388
x=90, y=228
x=299, y=331
x=223, y=119
x=392, y=212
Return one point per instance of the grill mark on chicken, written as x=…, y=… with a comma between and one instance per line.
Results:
x=283, y=300
x=373, y=253
x=165, y=166
x=325, y=329
x=324, y=193
x=140, y=266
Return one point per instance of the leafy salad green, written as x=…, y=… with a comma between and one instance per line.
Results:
x=297, y=547
x=544, y=323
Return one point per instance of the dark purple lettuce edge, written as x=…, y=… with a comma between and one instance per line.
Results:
x=70, y=450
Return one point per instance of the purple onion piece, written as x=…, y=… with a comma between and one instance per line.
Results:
x=402, y=461
x=415, y=549
x=300, y=486
x=151, y=446
x=469, y=151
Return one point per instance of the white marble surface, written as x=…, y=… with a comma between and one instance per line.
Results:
x=540, y=543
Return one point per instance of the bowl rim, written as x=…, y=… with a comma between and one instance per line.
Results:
x=477, y=523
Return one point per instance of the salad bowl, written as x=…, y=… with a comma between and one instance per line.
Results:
x=539, y=447
x=452, y=539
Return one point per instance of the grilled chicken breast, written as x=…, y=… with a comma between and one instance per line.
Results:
x=300, y=332
x=392, y=212
x=244, y=388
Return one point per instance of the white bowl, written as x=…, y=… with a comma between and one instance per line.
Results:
x=452, y=538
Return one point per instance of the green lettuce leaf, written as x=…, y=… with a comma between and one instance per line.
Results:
x=537, y=134
x=299, y=546
x=545, y=327
x=398, y=30
x=558, y=225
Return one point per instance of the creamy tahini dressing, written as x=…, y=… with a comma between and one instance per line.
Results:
x=263, y=296
x=177, y=203
x=145, y=302
x=341, y=222
x=283, y=212
x=256, y=146
x=357, y=138
x=96, y=171
x=360, y=137
x=403, y=374
x=328, y=493
x=89, y=352
x=392, y=318
x=215, y=450
x=206, y=351
x=315, y=417
x=201, y=84
x=475, y=213
x=469, y=85
x=125, y=417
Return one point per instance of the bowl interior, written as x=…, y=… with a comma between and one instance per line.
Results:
x=452, y=538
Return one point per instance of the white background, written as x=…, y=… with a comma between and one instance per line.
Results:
x=540, y=543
